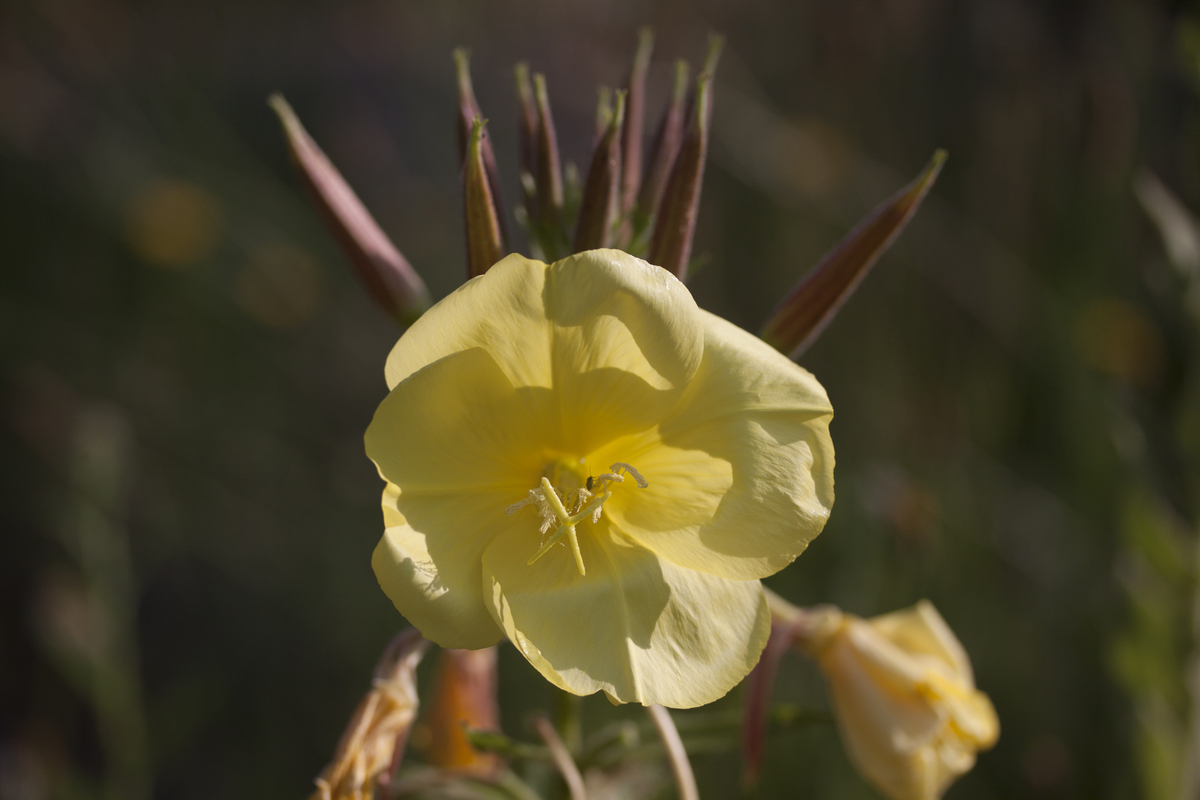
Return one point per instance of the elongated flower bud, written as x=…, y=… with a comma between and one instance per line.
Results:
x=485, y=240
x=604, y=113
x=468, y=112
x=675, y=222
x=663, y=151
x=527, y=138
x=600, y=207
x=387, y=275
x=631, y=133
x=801, y=317
x=548, y=177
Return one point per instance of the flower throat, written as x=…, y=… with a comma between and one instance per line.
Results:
x=570, y=503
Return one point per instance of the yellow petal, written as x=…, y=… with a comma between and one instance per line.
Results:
x=886, y=683
x=922, y=634
x=766, y=484
x=453, y=442
x=614, y=311
x=547, y=324
x=636, y=627
x=435, y=582
x=459, y=426
x=686, y=488
x=920, y=630
x=500, y=311
x=886, y=727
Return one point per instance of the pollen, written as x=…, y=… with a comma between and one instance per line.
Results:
x=564, y=510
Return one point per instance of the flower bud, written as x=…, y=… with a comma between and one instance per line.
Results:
x=663, y=150
x=801, y=317
x=905, y=700
x=527, y=121
x=485, y=239
x=599, y=207
x=551, y=225
x=675, y=222
x=374, y=741
x=631, y=133
x=387, y=275
x=468, y=112
x=604, y=113
x=527, y=138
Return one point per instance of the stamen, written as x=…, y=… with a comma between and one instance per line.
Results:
x=586, y=502
x=555, y=502
x=641, y=482
x=517, y=506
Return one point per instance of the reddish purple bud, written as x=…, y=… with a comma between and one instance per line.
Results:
x=385, y=272
x=631, y=134
x=675, y=221
x=599, y=209
x=548, y=179
x=801, y=317
x=527, y=137
x=663, y=150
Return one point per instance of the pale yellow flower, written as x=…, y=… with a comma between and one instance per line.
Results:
x=905, y=700
x=579, y=458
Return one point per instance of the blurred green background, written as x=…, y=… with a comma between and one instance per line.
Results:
x=187, y=364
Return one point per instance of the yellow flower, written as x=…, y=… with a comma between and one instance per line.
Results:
x=905, y=700
x=580, y=459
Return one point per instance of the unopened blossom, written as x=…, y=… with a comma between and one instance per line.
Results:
x=579, y=458
x=905, y=700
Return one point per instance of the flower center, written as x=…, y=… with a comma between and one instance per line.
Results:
x=567, y=501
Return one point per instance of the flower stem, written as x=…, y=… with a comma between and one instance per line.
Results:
x=562, y=758
x=568, y=719
x=681, y=768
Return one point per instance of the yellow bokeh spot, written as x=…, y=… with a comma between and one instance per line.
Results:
x=172, y=223
x=1119, y=340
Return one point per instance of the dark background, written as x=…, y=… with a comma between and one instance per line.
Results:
x=187, y=365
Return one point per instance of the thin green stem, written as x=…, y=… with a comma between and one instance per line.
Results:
x=568, y=719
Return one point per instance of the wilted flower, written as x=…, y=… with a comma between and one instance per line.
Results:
x=905, y=700
x=374, y=741
x=580, y=459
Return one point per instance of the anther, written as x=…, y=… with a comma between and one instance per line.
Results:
x=588, y=502
x=637, y=476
